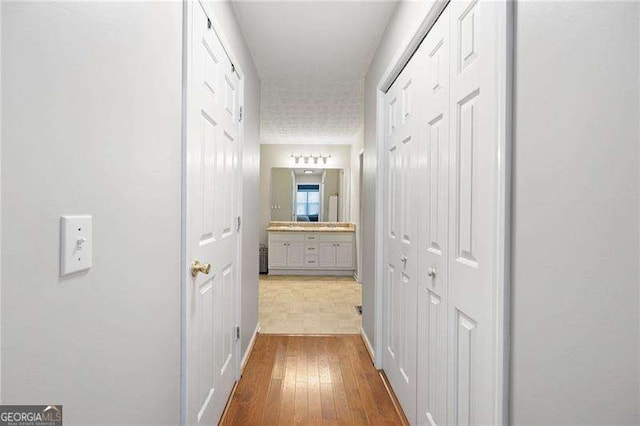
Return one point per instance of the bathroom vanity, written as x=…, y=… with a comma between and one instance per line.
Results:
x=311, y=248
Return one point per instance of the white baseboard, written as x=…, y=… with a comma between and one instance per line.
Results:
x=247, y=353
x=367, y=344
x=313, y=272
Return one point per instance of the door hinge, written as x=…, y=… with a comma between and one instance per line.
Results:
x=241, y=114
x=237, y=333
x=233, y=68
x=208, y=23
x=239, y=223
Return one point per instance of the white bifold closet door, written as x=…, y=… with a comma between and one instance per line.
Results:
x=433, y=202
x=401, y=237
x=441, y=208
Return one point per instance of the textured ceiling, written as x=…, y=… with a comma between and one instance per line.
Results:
x=312, y=57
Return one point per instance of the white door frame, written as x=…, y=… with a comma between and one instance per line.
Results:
x=359, y=233
x=503, y=237
x=185, y=278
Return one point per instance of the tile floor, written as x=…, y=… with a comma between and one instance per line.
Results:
x=309, y=305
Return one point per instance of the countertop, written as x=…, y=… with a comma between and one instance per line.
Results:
x=311, y=227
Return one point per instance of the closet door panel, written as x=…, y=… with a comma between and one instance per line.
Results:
x=474, y=124
x=401, y=236
x=433, y=59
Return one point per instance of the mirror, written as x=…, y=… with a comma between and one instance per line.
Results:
x=308, y=194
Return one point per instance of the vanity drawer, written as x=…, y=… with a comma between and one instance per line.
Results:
x=311, y=248
x=311, y=261
x=285, y=236
x=337, y=237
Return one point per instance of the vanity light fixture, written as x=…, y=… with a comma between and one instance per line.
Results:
x=296, y=158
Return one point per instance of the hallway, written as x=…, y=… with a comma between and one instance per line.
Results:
x=310, y=380
x=320, y=212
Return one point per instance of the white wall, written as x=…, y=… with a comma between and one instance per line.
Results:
x=92, y=125
x=405, y=17
x=575, y=207
x=224, y=14
x=278, y=156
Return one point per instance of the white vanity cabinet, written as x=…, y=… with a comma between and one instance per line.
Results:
x=311, y=253
x=335, y=251
x=286, y=251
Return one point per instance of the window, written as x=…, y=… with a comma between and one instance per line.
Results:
x=308, y=202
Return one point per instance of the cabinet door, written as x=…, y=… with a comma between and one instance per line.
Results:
x=295, y=254
x=327, y=255
x=344, y=255
x=277, y=254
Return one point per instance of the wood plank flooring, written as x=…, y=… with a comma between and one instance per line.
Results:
x=310, y=380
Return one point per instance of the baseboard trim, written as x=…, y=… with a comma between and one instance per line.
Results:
x=394, y=399
x=367, y=344
x=309, y=335
x=247, y=353
x=313, y=272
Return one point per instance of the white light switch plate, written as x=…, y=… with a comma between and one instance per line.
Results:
x=76, y=244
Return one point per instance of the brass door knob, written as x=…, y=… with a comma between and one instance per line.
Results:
x=196, y=267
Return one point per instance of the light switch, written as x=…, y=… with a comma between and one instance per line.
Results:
x=76, y=244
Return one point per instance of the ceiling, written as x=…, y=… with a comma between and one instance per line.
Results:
x=312, y=58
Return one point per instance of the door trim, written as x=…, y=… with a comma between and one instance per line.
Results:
x=187, y=10
x=403, y=54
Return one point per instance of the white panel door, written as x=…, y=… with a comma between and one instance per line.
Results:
x=443, y=121
x=432, y=112
x=401, y=256
x=473, y=215
x=212, y=182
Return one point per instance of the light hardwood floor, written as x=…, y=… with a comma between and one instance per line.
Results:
x=309, y=305
x=310, y=380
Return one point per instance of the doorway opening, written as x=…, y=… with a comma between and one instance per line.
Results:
x=309, y=286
